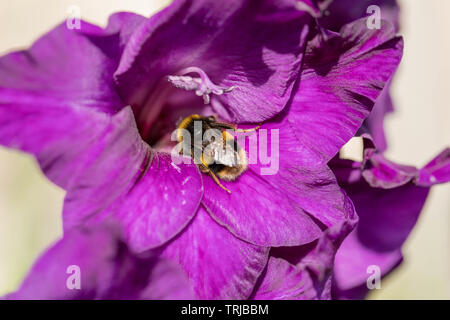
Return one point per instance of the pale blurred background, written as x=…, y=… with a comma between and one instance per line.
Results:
x=30, y=206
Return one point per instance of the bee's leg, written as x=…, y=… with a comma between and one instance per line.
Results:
x=248, y=130
x=204, y=168
x=233, y=127
x=221, y=125
x=218, y=182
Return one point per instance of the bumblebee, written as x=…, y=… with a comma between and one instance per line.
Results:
x=220, y=157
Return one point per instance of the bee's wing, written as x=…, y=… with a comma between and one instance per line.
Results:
x=223, y=153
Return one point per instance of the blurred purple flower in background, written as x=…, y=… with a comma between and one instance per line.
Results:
x=388, y=198
x=96, y=109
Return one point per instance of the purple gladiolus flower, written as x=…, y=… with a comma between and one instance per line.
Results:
x=388, y=198
x=97, y=107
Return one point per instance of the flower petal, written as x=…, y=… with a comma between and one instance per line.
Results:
x=379, y=172
x=386, y=215
x=240, y=44
x=304, y=272
x=47, y=70
x=436, y=171
x=167, y=282
x=218, y=265
x=388, y=210
x=106, y=270
x=57, y=111
x=341, y=12
x=353, y=260
x=339, y=83
x=42, y=129
x=151, y=197
x=374, y=124
x=311, y=185
x=382, y=173
x=284, y=281
x=160, y=204
x=120, y=25
x=259, y=213
x=314, y=7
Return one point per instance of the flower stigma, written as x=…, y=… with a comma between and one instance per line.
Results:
x=202, y=85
